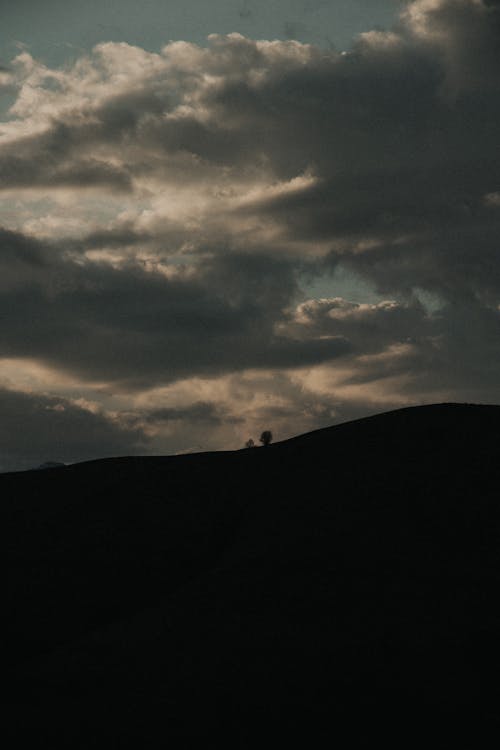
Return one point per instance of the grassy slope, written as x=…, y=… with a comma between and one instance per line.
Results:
x=350, y=572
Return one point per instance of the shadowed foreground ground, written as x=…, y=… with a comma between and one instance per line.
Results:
x=347, y=580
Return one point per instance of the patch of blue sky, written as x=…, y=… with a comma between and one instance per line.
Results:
x=342, y=283
x=56, y=30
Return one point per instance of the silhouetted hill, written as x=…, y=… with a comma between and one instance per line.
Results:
x=345, y=580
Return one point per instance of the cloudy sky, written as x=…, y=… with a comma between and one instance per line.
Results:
x=218, y=218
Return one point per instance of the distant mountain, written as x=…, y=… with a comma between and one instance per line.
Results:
x=49, y=465
x=346, y=580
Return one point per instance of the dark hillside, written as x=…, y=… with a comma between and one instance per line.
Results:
x=347, y=578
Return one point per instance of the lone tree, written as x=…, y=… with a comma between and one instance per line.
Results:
x=249, y=443
x=266, y=438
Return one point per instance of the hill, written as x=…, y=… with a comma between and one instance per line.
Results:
x=347, y=578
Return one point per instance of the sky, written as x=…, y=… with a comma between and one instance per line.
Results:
x=220, y=218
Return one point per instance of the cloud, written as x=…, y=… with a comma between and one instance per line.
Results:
x=369, y=327
x=138, y=326
x=168, y=211
x=201, y=411
x=36, y=427
x=379, y=127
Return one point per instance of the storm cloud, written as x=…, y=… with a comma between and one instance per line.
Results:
x=37, y=428
x=168, y=213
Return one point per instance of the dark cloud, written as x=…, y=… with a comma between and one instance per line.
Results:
x=36, y=428
x=36, y=169
x=255, y=167
x=134, y=325
x=369, y=327
x=16, y=249
x=23, y=261
x=402, y=135
x=209, y=414
x=120, y=237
